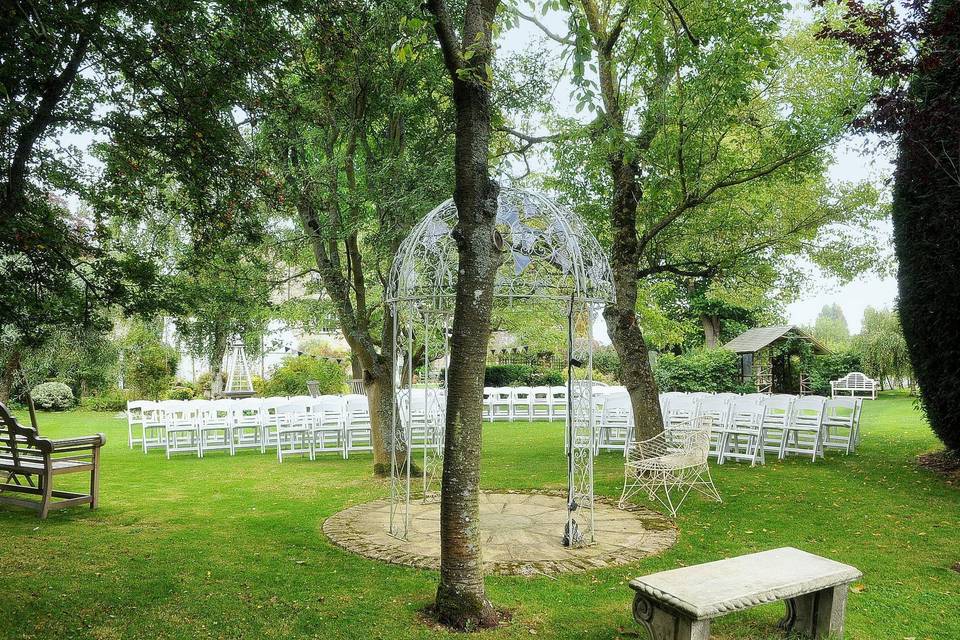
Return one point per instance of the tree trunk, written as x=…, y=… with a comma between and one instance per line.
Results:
x=216, y=364
x=621, y=317
x=10, y=368
x=711, y=330
x=461, y=598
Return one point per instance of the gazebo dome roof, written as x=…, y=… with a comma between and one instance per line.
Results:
x=549, y=254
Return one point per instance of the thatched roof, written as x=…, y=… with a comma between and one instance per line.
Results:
x=753, y=340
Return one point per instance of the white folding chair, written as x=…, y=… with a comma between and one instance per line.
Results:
x=718, y=410
x=558, y=403
x=803, y=433
x=142, y=415
x=216, y=426
x=358, y=434
x=501, y=404
x=327, y=418
x=521, y=404
x=540, y=403
x=248, y=424
x=681, y=410
x=742, y=439
x=487, y=397
x=268, y=419
x=295, y=430
x=841, y=420
x=182, y=427
x=615, y=423
x=776, y=415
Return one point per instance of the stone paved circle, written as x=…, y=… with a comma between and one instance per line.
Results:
x=521, y=534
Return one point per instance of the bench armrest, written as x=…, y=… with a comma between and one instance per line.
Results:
x=78, y=444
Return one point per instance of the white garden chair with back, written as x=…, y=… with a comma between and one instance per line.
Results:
x=776, y=414
x=294, y=430
x=615, y=423
x=743, y=437
x=141, y=416
x=501, y=404
x=358, y=433
x=670, y=465
x=841, y=423
x=216, y=427
x=182, y=427
x=803, y=434
x=327, y=414
x=540, y=403
x=558, y=403
x=248, y=424
x=268, y=419
x=487, y=398
x=522, y=404
x=718, y=410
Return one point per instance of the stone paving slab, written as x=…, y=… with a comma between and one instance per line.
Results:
x=521, y=534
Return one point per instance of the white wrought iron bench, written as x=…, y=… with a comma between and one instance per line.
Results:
x=680, y=604
x=854, y=383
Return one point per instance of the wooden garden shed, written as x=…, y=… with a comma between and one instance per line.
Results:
x=772, y=358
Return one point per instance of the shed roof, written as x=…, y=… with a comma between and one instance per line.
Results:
x=753, y=340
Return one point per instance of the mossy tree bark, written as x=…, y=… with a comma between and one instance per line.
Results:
x=461, y=599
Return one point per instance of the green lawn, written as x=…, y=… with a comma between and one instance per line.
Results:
x=232, y=547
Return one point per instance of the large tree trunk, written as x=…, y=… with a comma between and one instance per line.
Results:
x=621, y=317
x=461, y=598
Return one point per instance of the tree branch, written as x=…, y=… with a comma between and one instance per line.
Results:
x=443, y=25
x=545, y=29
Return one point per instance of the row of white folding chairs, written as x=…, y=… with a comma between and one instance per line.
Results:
x=526, y=404
x=303, y=423
x=748, y=426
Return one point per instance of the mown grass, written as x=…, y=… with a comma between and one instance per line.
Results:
x=232, y=547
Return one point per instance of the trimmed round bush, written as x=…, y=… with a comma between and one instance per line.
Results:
x=52, y=396
x=179, y=393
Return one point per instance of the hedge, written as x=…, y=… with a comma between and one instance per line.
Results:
x=290, y=378
x=510, y=375
x=710, y=370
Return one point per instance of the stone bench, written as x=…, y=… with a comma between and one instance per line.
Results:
x=679, y=604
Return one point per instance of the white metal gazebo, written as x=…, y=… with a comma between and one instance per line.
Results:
x=553, y=265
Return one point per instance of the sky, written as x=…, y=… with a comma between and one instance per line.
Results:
x=850, y=166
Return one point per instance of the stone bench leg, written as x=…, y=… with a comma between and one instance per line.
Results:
x=664, y=624
x=817, y=615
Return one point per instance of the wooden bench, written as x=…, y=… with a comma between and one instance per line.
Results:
x=854, y=383
x=679, y=604
x=25, y=455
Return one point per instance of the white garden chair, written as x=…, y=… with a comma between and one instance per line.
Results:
x=615, y=423
x=558, y=403
x=718, y=410
x=216, y=427
x=249, y=430
x=268, y=419
x=540, y=403
x=742, y=439
x=776, y=414
x=358, y=434
x=841, y=423
x=522, y=404
x=295, y=430
x=487, y=398
x=327, y=414
x=182, y=427
x=803, y=434
x=669, y=466
x=680, y=411
x=143, y=416
x=501, y=404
